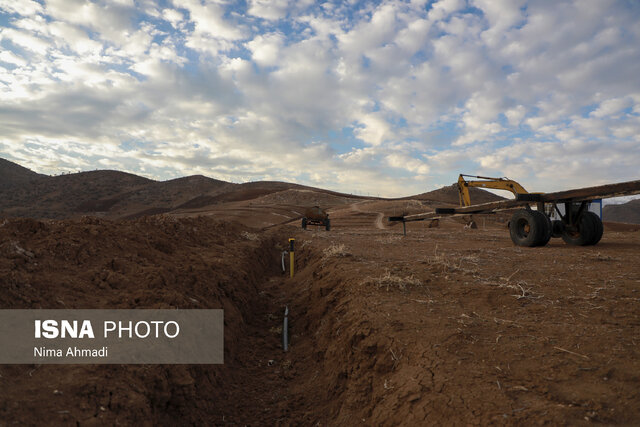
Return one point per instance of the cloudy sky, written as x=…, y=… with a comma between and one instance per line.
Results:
x=386, y=98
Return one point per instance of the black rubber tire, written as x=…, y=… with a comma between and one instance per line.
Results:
x=584, y=233
x=545, y=228
x=304, y=223
x=327, y=224
x=526, y=228
x=597, y=226
x=557, y=227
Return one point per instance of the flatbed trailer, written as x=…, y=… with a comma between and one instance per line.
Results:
x=529, y=227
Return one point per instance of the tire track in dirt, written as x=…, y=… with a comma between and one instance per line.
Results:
x=379, y=224
x=378, y=221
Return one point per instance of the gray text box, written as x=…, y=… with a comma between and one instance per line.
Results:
x=155, y=336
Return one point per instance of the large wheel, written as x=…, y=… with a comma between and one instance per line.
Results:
x=527, y=228
x=582, y=233
x=304, y=223
x=557, y=227
x=597, y=227
x=545, y=228
x=327, y=224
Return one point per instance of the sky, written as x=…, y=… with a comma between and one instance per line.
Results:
x=386, y=98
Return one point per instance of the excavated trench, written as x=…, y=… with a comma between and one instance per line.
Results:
x=160, y=262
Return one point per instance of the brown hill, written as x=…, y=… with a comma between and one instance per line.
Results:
x=115, y=194
x=160, y=197
x=449, y=195
x=65, y=195
x=12, y=175
x=626, y=212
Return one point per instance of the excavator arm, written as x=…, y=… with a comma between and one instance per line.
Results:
x=486, y=182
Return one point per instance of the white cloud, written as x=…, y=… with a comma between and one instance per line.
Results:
x=265, y=49
x=173, y=16
x=404, y=161
x=11, y=58
x=390, y=97
x=25, y=40
x=515, y=115
x=502, y=15
x=443, y=8
x=22, y=7
x=74, y=37
x=268, y=9
x=375, y=129
x=611, y=107
x=111, y=20
x=209, y=20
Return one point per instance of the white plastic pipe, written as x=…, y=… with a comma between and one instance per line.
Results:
x=285, y=330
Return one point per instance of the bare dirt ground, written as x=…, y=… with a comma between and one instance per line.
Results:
x=444, y=326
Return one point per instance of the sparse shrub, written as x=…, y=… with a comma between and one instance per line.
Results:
x=249, y=236
x=389, y=281
x=335, y=250
x=453, y=262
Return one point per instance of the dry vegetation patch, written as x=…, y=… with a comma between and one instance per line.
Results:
x=453, y=262
x=250, y=236
x=335, y=250
x=390, y=281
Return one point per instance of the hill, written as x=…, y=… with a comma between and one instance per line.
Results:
x=449, y=195
x=63, y=196
x=12, y=175
x=626, y=212
x=114, y=194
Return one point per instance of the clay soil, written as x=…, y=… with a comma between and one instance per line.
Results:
x=444, y=326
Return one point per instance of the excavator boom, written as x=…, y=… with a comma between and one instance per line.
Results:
x=486, y=182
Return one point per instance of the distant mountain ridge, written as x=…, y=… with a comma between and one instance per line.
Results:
x=450, y=195
x=626, y=212
x=115, y=194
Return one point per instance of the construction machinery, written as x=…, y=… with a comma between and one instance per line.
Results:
x=529, y=227
x=316, y=216
x=486, y=182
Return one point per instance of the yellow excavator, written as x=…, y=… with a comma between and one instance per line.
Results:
x=486, y=182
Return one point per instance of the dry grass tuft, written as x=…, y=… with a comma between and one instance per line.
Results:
x=389, y=239
x=276, y=330
x=249, y=236
x=389, y=281
x=335, y=250
x=523, y=289
x=454, y=262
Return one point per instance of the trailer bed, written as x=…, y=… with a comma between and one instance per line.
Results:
x=577, y=226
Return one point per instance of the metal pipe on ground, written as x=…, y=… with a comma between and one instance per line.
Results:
x=285, y=329
x=283, y=255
